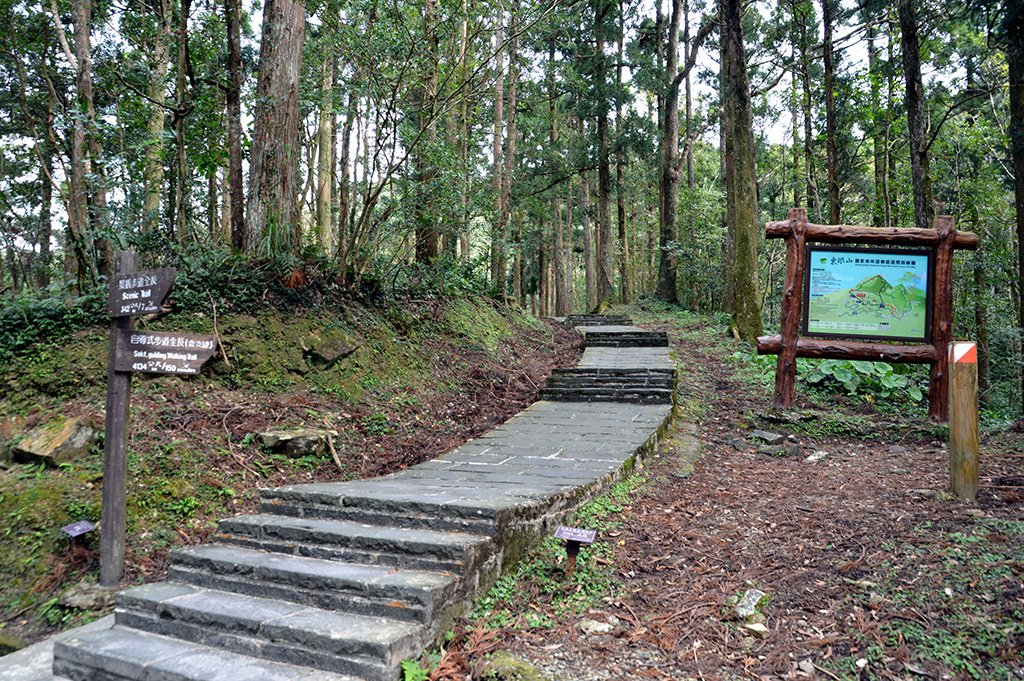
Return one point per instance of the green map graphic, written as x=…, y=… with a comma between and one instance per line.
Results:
x=874, y=306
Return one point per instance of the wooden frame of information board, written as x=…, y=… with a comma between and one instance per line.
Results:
x=941, y=240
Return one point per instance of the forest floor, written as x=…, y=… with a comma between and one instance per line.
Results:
x=871, y=569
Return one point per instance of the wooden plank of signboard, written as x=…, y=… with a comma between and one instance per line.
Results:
x=157, y=352
x=828, y=348
x=137, y=293
x=889, y=236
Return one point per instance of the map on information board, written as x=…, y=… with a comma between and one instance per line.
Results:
x=867, y=292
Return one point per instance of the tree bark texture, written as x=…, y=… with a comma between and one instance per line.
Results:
x=1015, y=61
x=325, y=162
x=153, y=174
x=834, y=204
x=428, y=237
x=273, y=213
x=233, y=95
x=669, y=184
x=740, y=173
x=180, y=224
x=917, y=121
x=589, y=271
x=605, y=272
x=497, y=228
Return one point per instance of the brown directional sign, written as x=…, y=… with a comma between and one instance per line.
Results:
x=162, y=353
x=140, y=292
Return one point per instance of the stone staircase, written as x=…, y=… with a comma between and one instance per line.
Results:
x=609, y=383
x=575, y=320
x=622, y=337
x=342, y=581
x=347, y=591
x=638, y=386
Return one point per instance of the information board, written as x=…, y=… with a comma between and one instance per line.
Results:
x=882, y=293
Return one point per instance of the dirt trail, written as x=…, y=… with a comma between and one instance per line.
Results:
x=871, y=570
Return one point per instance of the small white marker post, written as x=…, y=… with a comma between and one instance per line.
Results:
x=963, y=419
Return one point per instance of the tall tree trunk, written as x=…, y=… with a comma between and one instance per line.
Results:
x=830, y=115
x=345, y=181
x=605, y=275
x=517, y=260
x=497, y=227
x=669, y=163
x=740, y=173
x=589, y=269
x=688, y=130
x=813, y=204
x=325, y=163
x=79, y=228
x=916, y=117
x=153, y=174
x=511, y=134
x=1015, y=61
x=562, y=303
x=181, y=211
x=794, y=108
x=462, y=146
x=276, y=146
x=620, y=172
x=878, y=124
x=233, y=21
x=428, y=238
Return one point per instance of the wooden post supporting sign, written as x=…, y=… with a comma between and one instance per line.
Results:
x=963, y=419
x=135, y=293
x=112, y=523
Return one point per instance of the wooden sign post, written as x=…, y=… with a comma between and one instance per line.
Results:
x=930, y=348
x=963, y=420
x=573, y=536
x=134, y=293
x=119, y=392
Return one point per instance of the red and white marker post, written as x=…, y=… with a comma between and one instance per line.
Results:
x=963, y=419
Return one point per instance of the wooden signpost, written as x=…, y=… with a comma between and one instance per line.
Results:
x=573, y=536
x=930, y=348
x=134, y=293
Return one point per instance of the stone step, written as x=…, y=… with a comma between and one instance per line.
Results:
x=598, y=320
x=121, y=654
x=375, y=590
x=646, y=396
x=611, y=383
x=603, y=372
x=373, y=503
x=626, y=339
x=339, y=509
x=367, y=647
x=347, y=541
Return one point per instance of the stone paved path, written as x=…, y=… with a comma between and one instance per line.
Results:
x=342, y=581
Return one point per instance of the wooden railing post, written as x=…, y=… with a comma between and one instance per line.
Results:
x=792, y=298
x=942, y=319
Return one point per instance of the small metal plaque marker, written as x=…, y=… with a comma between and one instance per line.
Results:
x=577, y=534
x=140, y=293
x=78, y=529
x=162, y=353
